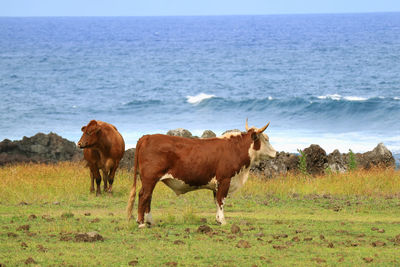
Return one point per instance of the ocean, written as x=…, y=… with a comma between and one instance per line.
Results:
x=329, y=79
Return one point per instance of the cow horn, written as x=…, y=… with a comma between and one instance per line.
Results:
x=263, y=128
x=247, y=125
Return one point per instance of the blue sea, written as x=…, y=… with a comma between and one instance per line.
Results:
x=332, y=80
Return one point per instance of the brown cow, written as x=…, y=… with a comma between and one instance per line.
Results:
x=103, y=148
x=219, y=164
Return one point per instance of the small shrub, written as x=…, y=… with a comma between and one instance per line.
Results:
x=302, y=162
x=352, y=164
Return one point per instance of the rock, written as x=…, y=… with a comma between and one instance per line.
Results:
x=380, y=156
x=204, y=229
x=30, y=260
x=127, y=161
x=235, y=229
x=88, y=237
x=180, y=132
x=316, y=159
x=40, y=148
x=337, y=162
x=280, y=165
x=208, y=134
x=232, y=131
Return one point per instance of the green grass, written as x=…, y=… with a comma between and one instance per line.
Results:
x=292, y=220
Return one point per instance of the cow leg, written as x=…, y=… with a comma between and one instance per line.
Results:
x=91, y=182
x=111, y=179
x=105, y=179
x=95, y=174
x=222, y=192
x=148, y=219
x=145, y=201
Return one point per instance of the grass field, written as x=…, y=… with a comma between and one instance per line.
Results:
x=348, y=219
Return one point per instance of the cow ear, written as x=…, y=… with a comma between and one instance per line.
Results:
x=254, y=136
x=83, y=128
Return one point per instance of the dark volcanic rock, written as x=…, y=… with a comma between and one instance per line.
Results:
x=379, y=156
x=180, y=132
x=127, y=160
x=281, y=164
x=208, y=134
x=316, y=159
x=40, y=148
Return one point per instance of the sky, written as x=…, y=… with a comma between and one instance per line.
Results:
x=11, y=8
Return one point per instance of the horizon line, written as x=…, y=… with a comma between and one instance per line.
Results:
x=206, y=15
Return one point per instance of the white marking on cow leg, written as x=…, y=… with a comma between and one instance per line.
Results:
x=220, y=218
x=148, y=218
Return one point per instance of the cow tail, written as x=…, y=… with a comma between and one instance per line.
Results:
x=132, y=195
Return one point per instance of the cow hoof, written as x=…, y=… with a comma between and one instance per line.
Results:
x=142, y=225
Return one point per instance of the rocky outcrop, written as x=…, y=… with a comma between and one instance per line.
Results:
x=316, y=159
x=379, y=156
x=280, y=165
x=180, y=132
x=40, y=148
x=318, y=162
x=127, y=160
x=208, y=134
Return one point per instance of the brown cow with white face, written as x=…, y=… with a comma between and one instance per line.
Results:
x=219, y=164
x=103, y=148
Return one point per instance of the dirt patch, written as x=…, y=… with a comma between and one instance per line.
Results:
x=32, y=217
x=179, y=242
x=296, y=239
x=368, y=259
x=330, y=245
x=235, y=229
x=203, y=220
x=23, y=203
x=96, y=220
x=41, y=248
x=24, y=227
x=171, y=263
x=279, y=247
x=88, y=237
x=87, y=214
x=307, y=238
x=243, y=244
x=11, y=234
x=133, y=263
x=318, y=260
x=378, y=244
x=204, y=229
x=47, y=218
x=30, y=260
x=397, y=239
x=381, y=231
x=322, y=237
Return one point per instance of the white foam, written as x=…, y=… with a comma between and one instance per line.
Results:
x=355, y=98
x=333, y=97
x=198, y=98
x=339, y=97
x=396, y=98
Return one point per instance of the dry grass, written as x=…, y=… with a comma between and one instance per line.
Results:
x=70, y=181
x=370, y=183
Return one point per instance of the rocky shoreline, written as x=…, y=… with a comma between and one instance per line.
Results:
x=52, y=148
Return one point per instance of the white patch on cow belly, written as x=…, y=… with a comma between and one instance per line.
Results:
x=239, y=179
x=180, y=187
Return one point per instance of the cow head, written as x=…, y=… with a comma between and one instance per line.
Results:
x=260, y=148
x=90, y=134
